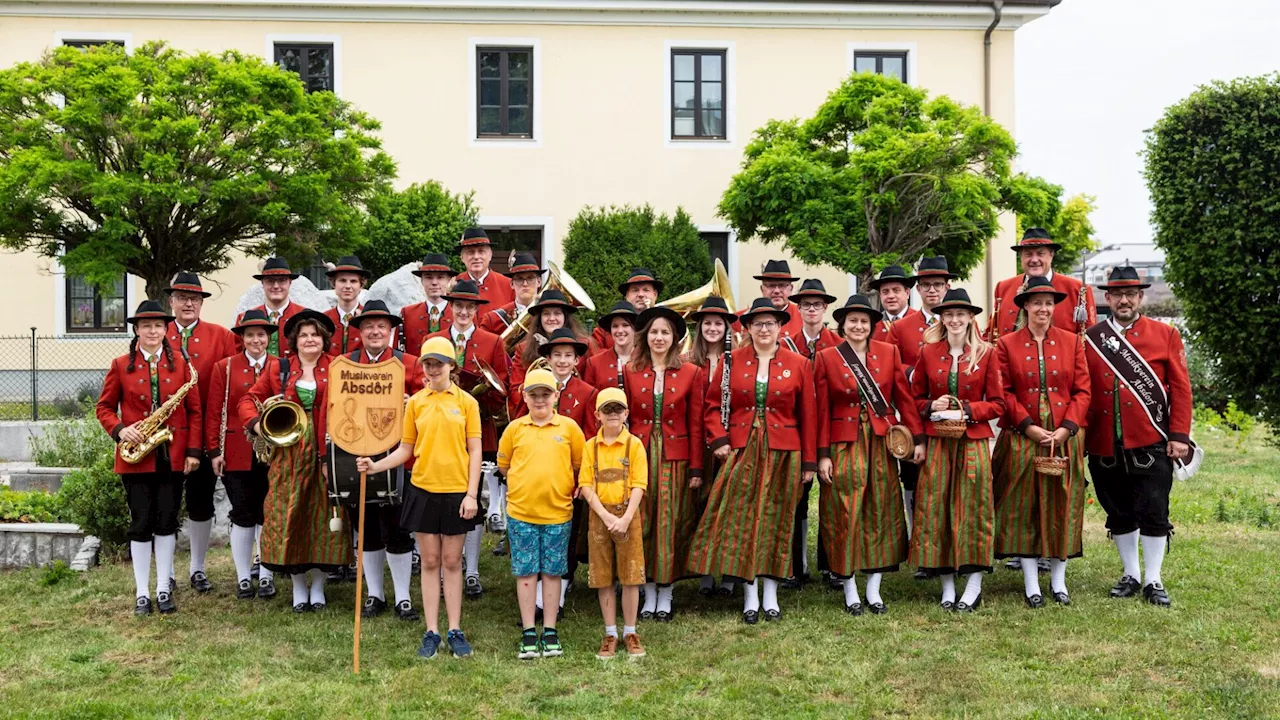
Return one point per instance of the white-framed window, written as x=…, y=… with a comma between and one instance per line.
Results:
x=885, y=58
x=699, y=94
x=516, y=232
x=722, y=242
x=506, y=91
x=75, y=38
x=317, y=59
x=81, y=309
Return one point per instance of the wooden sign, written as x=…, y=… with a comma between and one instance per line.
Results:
x=366, y=405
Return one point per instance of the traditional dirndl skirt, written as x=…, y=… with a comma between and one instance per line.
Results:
x=746, y=529
x=670, y=516
x=1038, y=515
x=295, y=528
x=862, y=524
x=954, y=521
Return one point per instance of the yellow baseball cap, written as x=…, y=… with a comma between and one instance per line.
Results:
x=539, y=378
x=611, y=396
x=439, y=348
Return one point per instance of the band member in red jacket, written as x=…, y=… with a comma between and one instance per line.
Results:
x=433, y=314
x=1134, y=438
x=276, y=279
x=665, y=395
x=1035, y=255
x=477, y=252
x=955, y=512
x=205, y=343
x=605, y=368
x=526, y=281
x=474, y=346
x=233, y=459
x=893, y=288
x=1046, y=400
x=348, y=277
x=552, y=312
x=860, y=506
x=136, y=385
x=770, y=450
x=777, y=285
x=641, y=290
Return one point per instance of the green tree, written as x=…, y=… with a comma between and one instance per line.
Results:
x=604, y=244
x=404, y=225
x=881, y=174
x=158, y=161
x=1211, y=169
x=1068, y=223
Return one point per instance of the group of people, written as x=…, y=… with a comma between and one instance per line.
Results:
x=661, y=448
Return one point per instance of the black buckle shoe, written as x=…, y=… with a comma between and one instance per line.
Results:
x=646, y=614
x=301, y=608
x=165, y=604
x=1128, y=586
x=245, y=591
x=142, y=606
x=977, y=603
x=663, y=615
x=855, y=609
x=318, y=607
x=1062, y=598
x=1035, y=602
x=750, y=617
x=200, y=582
x=772, y=615
x=791, y=583
x=877, y=608
x=373, y=607
x=948, y=606
x=474, y=590
x=404, y=611
x=1156, y=595
x=266, y=588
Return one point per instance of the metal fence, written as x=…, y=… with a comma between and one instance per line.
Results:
x=45, y=377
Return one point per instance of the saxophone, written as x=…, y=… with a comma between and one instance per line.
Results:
x=153, y=426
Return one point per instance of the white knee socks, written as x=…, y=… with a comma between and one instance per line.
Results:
x=497, y=495
x=1127, y=546
x=973, y=588
x=770, y=601
x=374, y=563
x=263, y=572
x=165, y=546
x=401, y=574
x=1058, y=575
x=300, y=588
x=1153, y=549
x=664, y=598
x=198, y=531
x=948, y=588
x=471, y=551
x=751, y=595
x=873, y=588
x=650, y=598
x=1030, y=577
x=851, y=592
x=317, y=586
x=140, y=552
x=242, y=551
x=908, y=502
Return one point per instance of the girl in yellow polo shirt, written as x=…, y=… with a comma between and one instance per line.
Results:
x=442, y=433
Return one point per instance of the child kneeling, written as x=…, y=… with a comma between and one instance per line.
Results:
x=613, y=480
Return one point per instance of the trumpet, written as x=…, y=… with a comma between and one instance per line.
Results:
x=560, y=280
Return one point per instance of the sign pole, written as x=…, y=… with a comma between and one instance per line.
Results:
x=359, y=572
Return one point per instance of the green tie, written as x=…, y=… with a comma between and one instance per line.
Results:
x=186, y=335
x=155, y=381
x=273, y=345
x=460, y=342
x=435, y=320
x=346, y=331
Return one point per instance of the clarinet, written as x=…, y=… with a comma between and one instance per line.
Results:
x=726, y=360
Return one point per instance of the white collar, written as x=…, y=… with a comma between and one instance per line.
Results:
x=927, y=315
x=466, y=334
x=280, y=310
x=1026, y=278
x=478, y=280
x=1122, y=328
x=148, y=357
x=440, y=306
x=259, y=363
x=343, y=312
x=376, y=358
x=563, y=382
x=191, y=327
x=808, y=339
x=519, y=309
x=899, y=316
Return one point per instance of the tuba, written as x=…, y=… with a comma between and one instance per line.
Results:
x=560, y=280
x=153, y=426
x=688, y=303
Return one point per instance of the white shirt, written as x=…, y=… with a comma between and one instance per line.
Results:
x=150, y=358
x=928, y=316
x=454, y=332
x=191, y=327
x=439, y=306
x=808, y=339
x=256, y=365
x=478, y=280
x=277, y=310
x=899, y=316
x=375, y=358
x=344, y=312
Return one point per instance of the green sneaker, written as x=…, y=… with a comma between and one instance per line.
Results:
x=529, y=645
x=550, y=643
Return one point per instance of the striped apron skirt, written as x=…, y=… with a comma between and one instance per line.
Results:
x=862, y=524
x=954, y=520
x=1038, y=515
x=746, y=529
x=296, y=512
x=670, y=516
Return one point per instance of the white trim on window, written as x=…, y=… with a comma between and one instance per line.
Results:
x=62, y=37
x=913, y=75
x=335, y=40
x=545, y=223
x=473, y=44
x=731, y=256
x=730, y=94
x=59, y=274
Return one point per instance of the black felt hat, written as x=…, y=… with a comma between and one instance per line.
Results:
x=1038, y=286
x=677, y=321
x=855, y=303
x=763, y=306
x=254, y=318
x=276, y=267
x=1123, y=277
x=433, y=263
x=620, y=309
x=1035, y=237
x=149, y=310
x=776, y=270
x=375, y=309
x=892, y=274
x=935, y=266
x=186, y=282
x=308, y=314
x=714, y=305
x=550, y=298
x=563, y=336
x=956, y=299
x=813, y=288
x=473, y=237
x=349, y=264
x=641, y=275
x=465, y=291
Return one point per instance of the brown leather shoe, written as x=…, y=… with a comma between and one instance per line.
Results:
x=608, y=648
x=634, y=648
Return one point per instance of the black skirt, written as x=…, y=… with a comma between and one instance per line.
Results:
x=434, y=513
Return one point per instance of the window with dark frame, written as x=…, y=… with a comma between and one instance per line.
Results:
x=507, y=240
x=90, y=310
x=312, y=62
x=892, y=63
x=317, y=273
x=504, y=92
x=717, y=245
x=698, y=94
x=87, y=44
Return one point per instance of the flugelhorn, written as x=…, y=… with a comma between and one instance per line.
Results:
x=559, y=280
x=281, y=422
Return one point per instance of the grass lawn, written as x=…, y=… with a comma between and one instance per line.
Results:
x=75, y=649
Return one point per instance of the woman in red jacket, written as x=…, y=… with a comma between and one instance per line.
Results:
x=1046, y=399
x=769, y=450
x=860, y=506
x=296, y=538
x=665, y=396
x=552, y=312
x=135, y=386
x=954, y=527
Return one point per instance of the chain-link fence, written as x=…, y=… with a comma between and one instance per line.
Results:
x=46, y=377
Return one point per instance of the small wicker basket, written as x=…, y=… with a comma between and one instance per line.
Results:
x=951, y=428
x=1050, y=464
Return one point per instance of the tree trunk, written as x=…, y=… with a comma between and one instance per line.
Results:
x=157, y=280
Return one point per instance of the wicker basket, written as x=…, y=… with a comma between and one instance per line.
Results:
x=951, y=428
x=1050, y=464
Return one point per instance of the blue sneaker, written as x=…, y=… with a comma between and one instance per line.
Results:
x=430, y=643
x=458, y=644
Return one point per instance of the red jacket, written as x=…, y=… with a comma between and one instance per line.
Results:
x=417, y=325
x=602, y=338
x=682, y=412
x=290, y=310
x=517, y=371
x=791, y=411
x=1063, y=313
x=268, y=385
x=1160, y=345
x=840, y=403
x=129, y=395
x=881, y=331
x=826, y=339
x=1067, y=381
x=487, y=347
x=237, y=450
x=495, y=324
x=577, y=401
x=981, y=394
x=208, y=344
x=496, y=288
x=791, y=328
x=353, y=334
x=907, y=334
x=602, y=371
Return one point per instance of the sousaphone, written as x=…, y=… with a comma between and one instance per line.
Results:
x=560, y=280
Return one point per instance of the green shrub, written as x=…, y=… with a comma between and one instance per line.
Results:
x=94, y=499
x=73, y=442
x=404, y=225
x=1234, y=423
x=56, y=573
x=35, y=506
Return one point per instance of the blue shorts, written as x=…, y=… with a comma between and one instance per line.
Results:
x=538, y=548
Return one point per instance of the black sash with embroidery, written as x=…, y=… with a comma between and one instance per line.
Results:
x=1128, y=365
x=867, y=386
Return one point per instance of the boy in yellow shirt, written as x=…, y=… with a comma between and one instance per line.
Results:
x=613, y=480
x=539, y=454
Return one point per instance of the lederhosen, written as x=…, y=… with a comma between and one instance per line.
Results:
x=600, y=541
